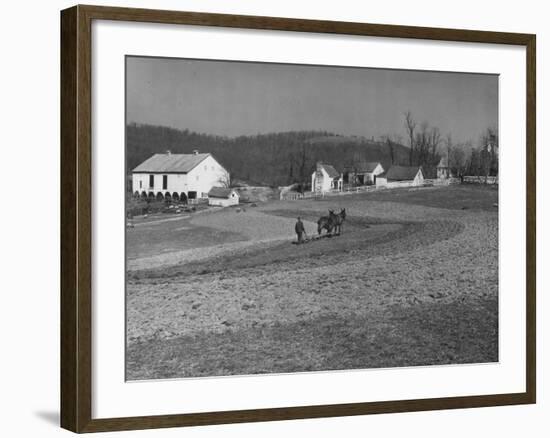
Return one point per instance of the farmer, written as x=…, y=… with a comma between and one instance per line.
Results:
x=300, y=230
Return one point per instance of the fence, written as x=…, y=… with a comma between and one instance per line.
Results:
x=481, y=179
x=358, y=189
x=196, y=201
x=349, y=190
x=401, y=184
x=441, y=181
x=293, y=196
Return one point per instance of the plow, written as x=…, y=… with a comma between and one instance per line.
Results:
x=313, y=238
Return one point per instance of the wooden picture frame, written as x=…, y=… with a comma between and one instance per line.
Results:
x=76, y=218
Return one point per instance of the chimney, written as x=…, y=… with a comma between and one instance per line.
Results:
x=319, y=165
x=168, y=152
x=195, y=152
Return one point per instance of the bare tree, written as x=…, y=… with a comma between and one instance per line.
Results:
x=422, y=143
x=489, y=144
x=391, y=150
x=225, y=180
x=456, y=156
x=410, y=126
x=303, y=163
x=391, y=141
x=298, y=167
x=434, y=140
x=474, y=163
x=457, y=159
x=448, y=146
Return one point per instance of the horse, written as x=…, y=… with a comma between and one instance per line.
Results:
x=326, y=222
x=339, y=221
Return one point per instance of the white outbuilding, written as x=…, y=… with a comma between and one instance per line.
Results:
x=178, y=176
x=223, y=197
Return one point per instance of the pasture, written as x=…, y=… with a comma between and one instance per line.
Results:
x=413, y=280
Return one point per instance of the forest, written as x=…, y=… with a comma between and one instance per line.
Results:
x=284, y=158
x=274, y=159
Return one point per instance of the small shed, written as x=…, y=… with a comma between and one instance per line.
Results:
x=405, y=174
x=381, y=180
x=223, y=197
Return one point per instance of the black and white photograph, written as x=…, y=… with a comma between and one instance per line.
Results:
x=290, y=218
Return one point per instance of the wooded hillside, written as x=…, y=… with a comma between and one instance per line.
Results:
x=265, y=159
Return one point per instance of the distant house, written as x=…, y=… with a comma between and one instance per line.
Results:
x=178, y=176
x=223, y=197
x=404, y=174
x=326, y=178
x=363, y=173
x=443, y=170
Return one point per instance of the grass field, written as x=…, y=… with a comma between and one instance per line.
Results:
x=413, y=280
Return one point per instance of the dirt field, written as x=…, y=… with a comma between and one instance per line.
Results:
x=413, y=280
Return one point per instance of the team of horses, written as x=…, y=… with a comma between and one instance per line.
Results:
x=333, y=223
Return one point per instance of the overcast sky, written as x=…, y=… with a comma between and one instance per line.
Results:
x=234, y=98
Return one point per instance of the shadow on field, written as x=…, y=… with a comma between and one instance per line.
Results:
x=426, y=334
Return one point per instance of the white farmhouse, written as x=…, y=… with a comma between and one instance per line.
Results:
x=222, y=197
x=178, y=176
x=326, y=178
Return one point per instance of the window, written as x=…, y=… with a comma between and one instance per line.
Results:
x=205, y=167
x=164, y=182
x=197, y=177
x=140, y=184
x=151, y=181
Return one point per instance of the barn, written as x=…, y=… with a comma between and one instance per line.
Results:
x=404, y=175
x=222, y=197
x=326, y=178
x=178, y=176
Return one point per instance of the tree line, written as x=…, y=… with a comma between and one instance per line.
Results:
x=284, y=158
x=275, y=159
x=427, y=146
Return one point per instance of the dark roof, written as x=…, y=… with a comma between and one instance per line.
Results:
x=177, y=163
x=401, y=173
x=332, y=172
x=367, y=166
x=220, y=192
x=363, y=167
x=429, y=172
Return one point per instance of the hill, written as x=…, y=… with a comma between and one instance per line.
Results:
x=265, y=159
